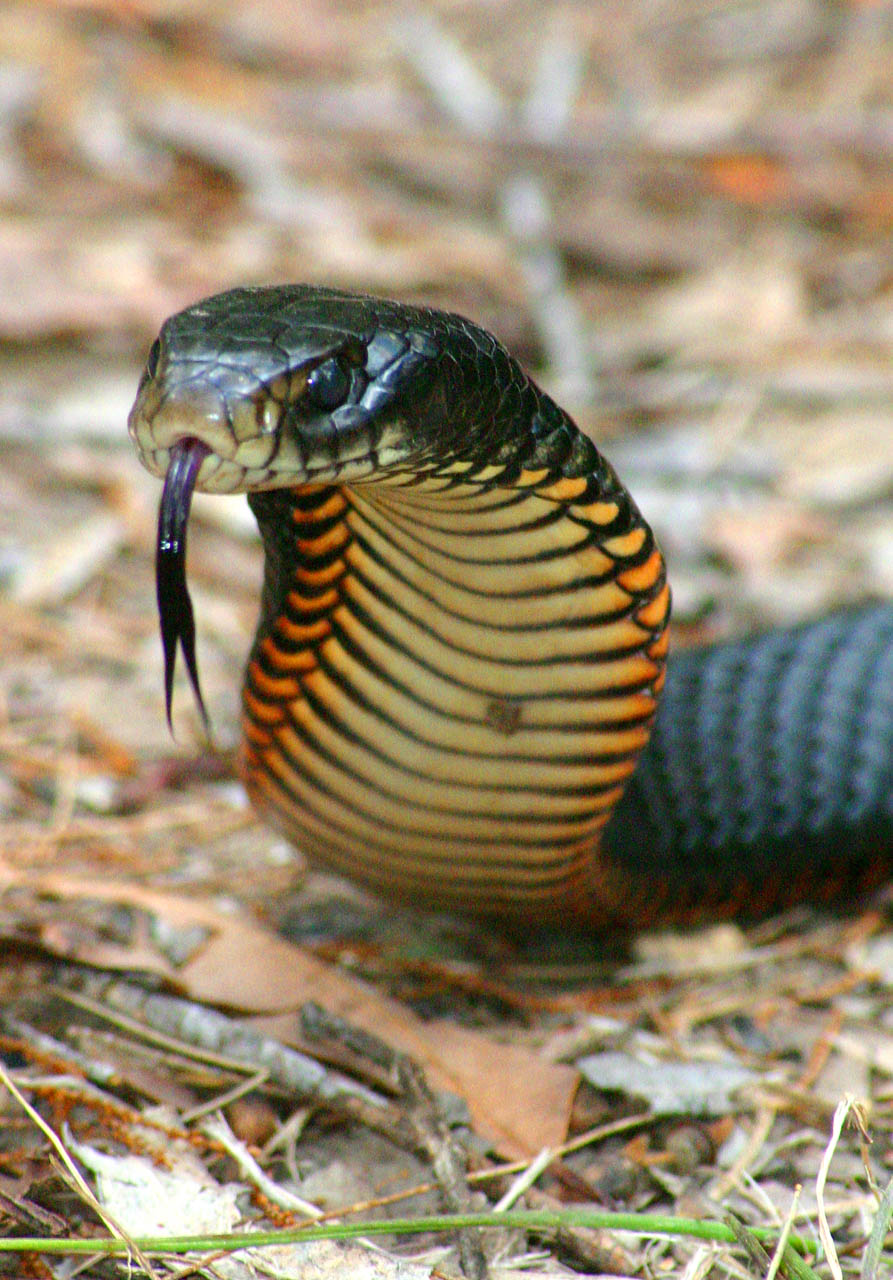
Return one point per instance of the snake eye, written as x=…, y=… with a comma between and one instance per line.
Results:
x=328, y=385
x=153, y=358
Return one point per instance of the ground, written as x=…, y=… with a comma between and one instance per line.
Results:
x=678, y=216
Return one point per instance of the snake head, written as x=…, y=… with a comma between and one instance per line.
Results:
x=260, y=389
x=284, y=387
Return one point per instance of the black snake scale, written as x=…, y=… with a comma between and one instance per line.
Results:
x=463, y=636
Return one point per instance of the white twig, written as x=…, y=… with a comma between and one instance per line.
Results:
x=778, y=1255
x=524, y=1180
x=461, y=91
x=555, y=84
x=217, y=1128
x=841, y=1111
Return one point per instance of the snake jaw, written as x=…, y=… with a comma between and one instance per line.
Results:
x=164, y=415
x=174, y=604
x=331, y=415
x=245, y=449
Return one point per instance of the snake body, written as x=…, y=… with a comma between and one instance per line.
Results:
x=463, y=636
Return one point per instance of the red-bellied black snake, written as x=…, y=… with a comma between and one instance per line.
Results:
x=463, y=636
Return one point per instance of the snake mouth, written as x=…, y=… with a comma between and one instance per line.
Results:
x=174, y=605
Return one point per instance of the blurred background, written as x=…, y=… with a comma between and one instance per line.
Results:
x=677, y=213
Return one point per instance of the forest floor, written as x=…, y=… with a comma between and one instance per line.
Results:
x=679, y=217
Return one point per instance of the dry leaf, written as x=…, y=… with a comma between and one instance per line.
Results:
x=517, y=1100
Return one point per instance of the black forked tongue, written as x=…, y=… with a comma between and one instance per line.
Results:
x=174, y=605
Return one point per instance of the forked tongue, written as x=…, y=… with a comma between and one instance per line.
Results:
x=174, y=605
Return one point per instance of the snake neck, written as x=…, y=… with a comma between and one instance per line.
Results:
x=463, y=635
x=451, y=683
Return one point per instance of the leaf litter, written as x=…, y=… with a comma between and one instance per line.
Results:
x=681, y=222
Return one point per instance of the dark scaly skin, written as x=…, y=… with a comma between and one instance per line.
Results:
x=769, y=775
x=454, y=578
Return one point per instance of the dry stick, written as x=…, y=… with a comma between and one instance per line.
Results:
x=203, y=1033
x=525, y=1180
x=217, y=1128
x=183, y=1024
x=382, y=1118
x=226, y=1099
x=216, y=1028
x=74, y=1175
x=700, y=1264
x=100, y=1102
x=426, y=1130
x=527, y=214
x=841, y=1111
x=577, y=1240
x=59, y=1051
x=474, y=104
x=481, y=1176
x=781, y=1248
x=460, y=90
x=429, y=1136
x=209, y=1036
x=434, y=1138
x=762, y=1127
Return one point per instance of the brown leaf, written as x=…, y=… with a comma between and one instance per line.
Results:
x=517, y=1100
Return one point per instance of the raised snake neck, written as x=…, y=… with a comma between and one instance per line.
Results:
x=463, y=636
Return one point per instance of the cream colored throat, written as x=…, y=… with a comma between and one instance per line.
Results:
x=454, y=689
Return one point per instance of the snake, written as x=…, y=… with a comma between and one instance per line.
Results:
x=459, y=692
